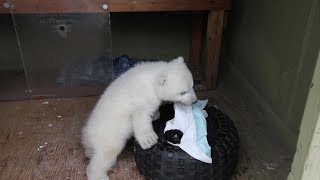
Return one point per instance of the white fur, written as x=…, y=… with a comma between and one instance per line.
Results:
x=127, y=107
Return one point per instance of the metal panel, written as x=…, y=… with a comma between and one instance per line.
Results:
x=12, y=76
x=64, y=54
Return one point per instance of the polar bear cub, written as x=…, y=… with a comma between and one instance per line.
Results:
x=127, y=106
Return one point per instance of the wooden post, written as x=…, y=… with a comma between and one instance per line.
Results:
x=197, y=26
x=214, y=33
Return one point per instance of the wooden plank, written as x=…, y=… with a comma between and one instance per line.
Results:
x=92, y=6
x=197, y=26
x=55, y=6
x=213, y=42
x=167, y=5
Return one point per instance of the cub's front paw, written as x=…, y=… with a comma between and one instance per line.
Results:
x=92, y=175
x=147, y=139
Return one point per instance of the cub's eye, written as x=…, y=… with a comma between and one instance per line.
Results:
x=183, y=93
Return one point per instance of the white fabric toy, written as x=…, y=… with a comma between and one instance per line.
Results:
x=191, y=121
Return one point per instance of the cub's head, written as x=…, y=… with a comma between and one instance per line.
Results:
x=175, y=83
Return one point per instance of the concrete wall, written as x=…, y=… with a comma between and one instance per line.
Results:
x=275, y=45
x=151, y=35
x=306, y=165
x=144, y=35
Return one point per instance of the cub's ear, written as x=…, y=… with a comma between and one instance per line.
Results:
x=179, y=59
x=162, y=80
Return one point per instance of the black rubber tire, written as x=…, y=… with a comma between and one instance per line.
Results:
x=165, y=162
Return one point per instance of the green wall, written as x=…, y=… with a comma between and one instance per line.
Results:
x=275, y=45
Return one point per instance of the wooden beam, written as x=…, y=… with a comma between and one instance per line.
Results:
x=55, y=6
x=213, y=41
x=94, y=6
x=167, y=5
x=197, y=26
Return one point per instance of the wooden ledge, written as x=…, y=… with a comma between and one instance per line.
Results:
x=95, y=6
x=167, y=5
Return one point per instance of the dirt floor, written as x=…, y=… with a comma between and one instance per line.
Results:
x=40, y=139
